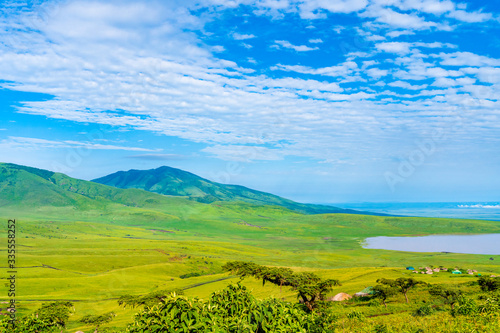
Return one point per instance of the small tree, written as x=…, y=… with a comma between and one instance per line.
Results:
x=310, y=287
x=488, y=283
x=384, y=291
x=403, y=285
x=241, y=268
x=55, y=313
x=98, y=320
x=148, y=299
x=276, y=275
x=450, y=296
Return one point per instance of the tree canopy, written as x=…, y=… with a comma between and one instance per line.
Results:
x=310, y=287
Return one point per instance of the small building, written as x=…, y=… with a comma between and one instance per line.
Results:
x=368, y=291
x=456, y=272
x=410, y=268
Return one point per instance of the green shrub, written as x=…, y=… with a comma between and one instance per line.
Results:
x=231, y=310
x=422, y=311
x=188, y=275
x=381, y=328
x=465, y=307
x=355, y=315
x=98, y=320
x=488, y=283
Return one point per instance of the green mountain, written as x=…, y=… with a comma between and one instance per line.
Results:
x=175, y=182
x=162, y=193
x=27, y=187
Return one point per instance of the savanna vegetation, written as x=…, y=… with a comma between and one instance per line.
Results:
x=463, y=307
x=94, y=257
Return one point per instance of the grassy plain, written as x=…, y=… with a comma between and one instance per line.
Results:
x=94, y=256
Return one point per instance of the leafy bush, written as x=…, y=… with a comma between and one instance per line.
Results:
x=381, y=328
x=355, y=315
x=56, y=313
x=148, y=299
x=402, y=285
x=188, y=275
x=449, y=295
x=488, y=283
x=98, y=320
x=50, y=317
x=465, y=307
x=492, y=305
x=422, y=311
x=29, y=324
x=231, y=310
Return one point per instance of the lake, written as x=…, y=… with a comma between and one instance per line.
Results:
x=471, y=244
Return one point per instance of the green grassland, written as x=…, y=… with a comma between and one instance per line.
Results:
x=91, y=243
x=93, y=263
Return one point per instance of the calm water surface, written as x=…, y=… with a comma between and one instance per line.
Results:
x=472, y=244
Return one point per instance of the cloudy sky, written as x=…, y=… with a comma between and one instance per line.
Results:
x=314, y=100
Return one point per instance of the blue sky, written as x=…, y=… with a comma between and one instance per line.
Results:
x=317, y=101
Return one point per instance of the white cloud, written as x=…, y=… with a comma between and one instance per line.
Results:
x=405, y=47
x=238, y=36
x=448, y=82
x=298, y=48
x=394, y=47
x=470, y=17
x=435, y=7
x=435, y=45
x=314, y=9
x=377, y=73
x=316, y=41
x=13, y=142
x=467, y=59
x=397, y=33
x=485, y=74
x=406, y=85
x=338, y=29
x=243, y=153
x=398, y=20
x=154, y=73
x=218, y=48
x=342, y=70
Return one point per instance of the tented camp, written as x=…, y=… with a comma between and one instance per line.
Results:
x=368, y=291
x=340, y=297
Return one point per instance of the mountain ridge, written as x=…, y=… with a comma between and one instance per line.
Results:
x=176, y=182
x=164, y=189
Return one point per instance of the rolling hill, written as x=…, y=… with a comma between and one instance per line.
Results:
x=175, y=182
x=165, y=189
x=22, y=186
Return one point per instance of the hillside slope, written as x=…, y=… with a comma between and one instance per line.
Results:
x=22, y=186
x=175, y=182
